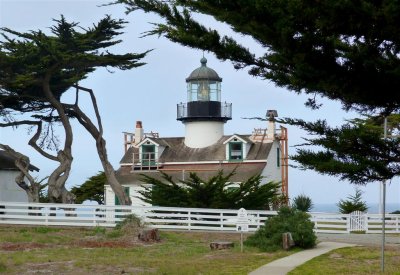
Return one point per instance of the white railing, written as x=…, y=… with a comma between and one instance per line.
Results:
x=172, y=217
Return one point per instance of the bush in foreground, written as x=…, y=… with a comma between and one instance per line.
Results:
x=269, y=236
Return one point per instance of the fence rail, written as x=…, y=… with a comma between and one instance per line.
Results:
x=173, y=217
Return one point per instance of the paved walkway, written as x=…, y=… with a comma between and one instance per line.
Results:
x=361, y=239
x=284, y=265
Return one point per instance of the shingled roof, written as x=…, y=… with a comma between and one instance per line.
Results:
x=7, y=162
x=204, y=171
x=176, y=151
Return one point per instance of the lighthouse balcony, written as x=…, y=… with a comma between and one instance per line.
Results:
x=204, y=110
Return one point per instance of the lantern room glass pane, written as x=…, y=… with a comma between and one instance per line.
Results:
x=204, y=91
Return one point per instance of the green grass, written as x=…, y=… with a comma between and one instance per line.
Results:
x=81, y=251
x=352, y=260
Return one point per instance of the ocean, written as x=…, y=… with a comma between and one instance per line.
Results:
x=373, y=208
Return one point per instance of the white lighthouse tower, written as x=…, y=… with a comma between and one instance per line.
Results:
x=203, y=115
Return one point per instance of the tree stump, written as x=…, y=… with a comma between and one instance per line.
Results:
x=221, y=245
x=149, y=235
x=287, y=241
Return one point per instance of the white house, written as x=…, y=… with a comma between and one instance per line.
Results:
x=204, y=149
x=9, y=190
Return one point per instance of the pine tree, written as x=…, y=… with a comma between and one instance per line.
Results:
x=215, y=192
x=36, y=69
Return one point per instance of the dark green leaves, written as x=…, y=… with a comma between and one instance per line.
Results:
x=216, y=192
x=356, y=151
x=343, y=50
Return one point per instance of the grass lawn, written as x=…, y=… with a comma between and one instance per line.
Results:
x=354, y=261
x=51, y=250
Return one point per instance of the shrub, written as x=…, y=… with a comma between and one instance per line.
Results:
x=216, y=192
x=129, y=221
x=353, y=203
x=302, y=203
x=396, y=212
x=269, y=236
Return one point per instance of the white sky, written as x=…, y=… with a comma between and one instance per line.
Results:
x=150, y=94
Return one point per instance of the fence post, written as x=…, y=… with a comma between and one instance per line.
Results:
x=258, y=220
x=221, y=220
x=46, y=221
x=189, y=220
x=348, y=222
x=94, y=215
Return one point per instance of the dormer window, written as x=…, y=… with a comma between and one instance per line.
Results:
x=235, y=150
x=148, y=154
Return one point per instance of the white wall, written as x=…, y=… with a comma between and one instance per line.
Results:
x=200, y=134
x=9, y=190
x=271, y=171
x=133, y=194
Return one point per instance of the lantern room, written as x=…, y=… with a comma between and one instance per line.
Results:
x=204, y=97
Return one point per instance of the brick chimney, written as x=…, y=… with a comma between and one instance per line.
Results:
x=271, y=114
x=139, y=132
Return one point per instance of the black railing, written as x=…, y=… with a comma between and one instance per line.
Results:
x=204, y=109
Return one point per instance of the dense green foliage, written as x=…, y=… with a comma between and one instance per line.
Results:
x=342, y=50
x=269, y=236
x=302, y=203
x=92, y=189
x=354, y=151
x=60, y=60
x=353, y=203
x=216, y=192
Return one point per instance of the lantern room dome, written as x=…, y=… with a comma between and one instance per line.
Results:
x=203, y=73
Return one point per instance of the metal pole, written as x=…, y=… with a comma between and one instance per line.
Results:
x=383, y=226
x=241, y=241
x=383, y=206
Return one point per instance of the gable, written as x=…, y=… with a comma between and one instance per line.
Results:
x=176, y=151
x=237, y=138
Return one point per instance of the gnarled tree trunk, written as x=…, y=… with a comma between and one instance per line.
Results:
x=97, y=134
x=56, y=183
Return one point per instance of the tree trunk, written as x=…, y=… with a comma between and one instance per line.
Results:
x=56, y=184
x=110, y=172
x=96, y=133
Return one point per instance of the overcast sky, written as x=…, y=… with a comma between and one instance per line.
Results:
x=150, y=94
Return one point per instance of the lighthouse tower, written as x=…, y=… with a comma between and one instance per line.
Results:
x=203, y=115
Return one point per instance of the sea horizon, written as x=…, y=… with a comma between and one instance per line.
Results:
x=373, y=208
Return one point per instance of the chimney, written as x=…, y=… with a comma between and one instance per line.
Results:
x=271, y=114
x=139, y=132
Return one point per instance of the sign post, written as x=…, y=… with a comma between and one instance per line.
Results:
x=242, y=225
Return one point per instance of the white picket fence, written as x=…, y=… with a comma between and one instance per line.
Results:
x=173, y=217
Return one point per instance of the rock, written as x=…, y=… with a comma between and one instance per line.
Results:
x=287, y=241
x=221, y=245
x=149, y=235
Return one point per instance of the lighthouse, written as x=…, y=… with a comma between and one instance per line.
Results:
x=203, y=115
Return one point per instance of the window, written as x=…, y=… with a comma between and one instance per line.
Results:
x=235, y=151
x=278, y=157
x=148, y=154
